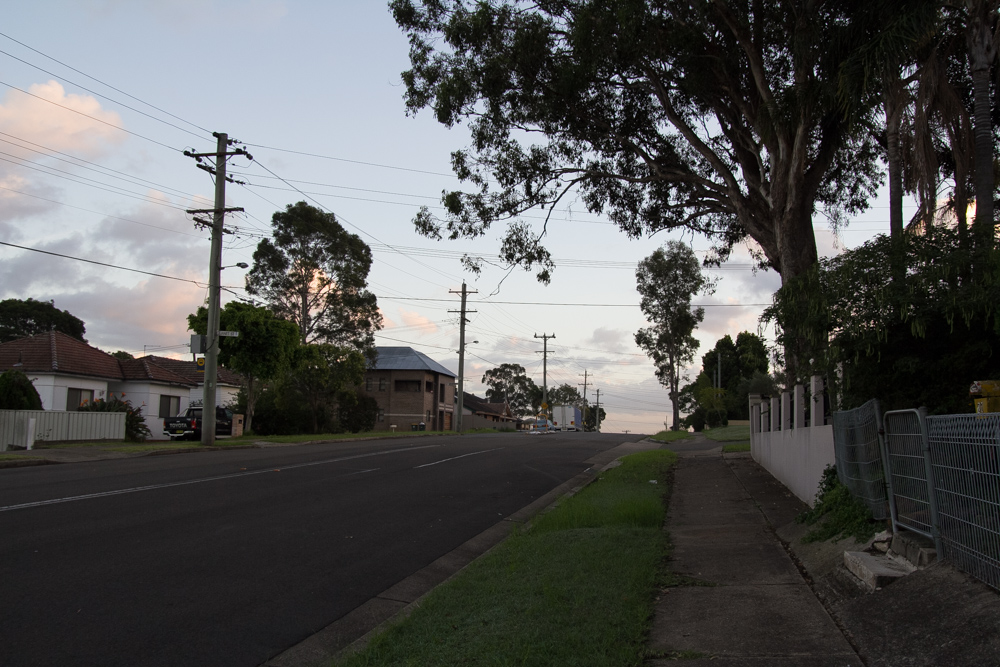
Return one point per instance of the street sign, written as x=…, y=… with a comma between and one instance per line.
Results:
x=201, y=364
x=229, y=334
x=545, y=406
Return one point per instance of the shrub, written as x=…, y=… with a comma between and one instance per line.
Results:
x=844, y=514
x=135, y=424
x=17, y=392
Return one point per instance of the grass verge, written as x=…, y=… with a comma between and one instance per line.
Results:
x=734, y=447
x=727, y=433
x=670, y=436
x=576, y=588
x=837, y=514
x=18, y=457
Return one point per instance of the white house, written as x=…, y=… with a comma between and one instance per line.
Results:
x=67, y=372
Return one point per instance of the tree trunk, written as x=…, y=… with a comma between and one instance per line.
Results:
x=982, y=52
x=304, y=315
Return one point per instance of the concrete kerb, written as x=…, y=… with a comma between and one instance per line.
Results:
x=352, y=632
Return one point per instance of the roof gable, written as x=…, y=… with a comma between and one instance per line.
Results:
x=55, y=352
x=143, y=369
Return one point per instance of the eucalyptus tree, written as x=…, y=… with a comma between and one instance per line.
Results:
x=667, y=280
x=314, y=273
x=509, y=383
x=718, y=117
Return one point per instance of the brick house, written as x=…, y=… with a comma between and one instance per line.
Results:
x=410, y=388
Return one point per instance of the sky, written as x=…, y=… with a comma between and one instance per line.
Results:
x=99, y=99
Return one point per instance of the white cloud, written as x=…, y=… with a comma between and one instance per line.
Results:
x=59, y=128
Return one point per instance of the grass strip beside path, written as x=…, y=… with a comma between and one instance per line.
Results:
x=577, y=587
x=670, y=436
x=728, y=433
x=734, y=447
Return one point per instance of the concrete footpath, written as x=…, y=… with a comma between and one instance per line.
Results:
x=752, y=594
x=744, y=601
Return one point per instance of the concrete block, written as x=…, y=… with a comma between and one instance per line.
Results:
x=874, y=571
x=916, y=548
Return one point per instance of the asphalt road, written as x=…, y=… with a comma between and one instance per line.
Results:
x=230, y=557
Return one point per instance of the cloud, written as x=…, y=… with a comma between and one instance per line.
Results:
x=418, y=322
x=58, y=128
x=612, y=340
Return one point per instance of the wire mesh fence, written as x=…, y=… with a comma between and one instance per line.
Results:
x=859, y=457
x=965, y=456
x=908, y=470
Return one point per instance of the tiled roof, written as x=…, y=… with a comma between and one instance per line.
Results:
x=144, y=369
x=55, y=352
x=407, y=359
x=189, y=371
x=477, y=404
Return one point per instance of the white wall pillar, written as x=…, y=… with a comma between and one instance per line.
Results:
x=786, y=410
x=765, y=417
x=817, y=415
x=775, y=414
x=800, y=406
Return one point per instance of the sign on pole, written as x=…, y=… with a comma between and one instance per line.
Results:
x=230, y=334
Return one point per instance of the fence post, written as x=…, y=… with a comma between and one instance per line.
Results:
x=775, y=417
x=786, y=410
x=929, y=471
x=883, y=450
x=800, y=406
x=817, y=416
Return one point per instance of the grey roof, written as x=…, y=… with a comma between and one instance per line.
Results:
x=407, y=359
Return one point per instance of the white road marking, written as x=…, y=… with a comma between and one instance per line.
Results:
x=458, y=457
x=166, y=485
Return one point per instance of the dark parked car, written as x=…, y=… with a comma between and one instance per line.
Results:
x=187, y=425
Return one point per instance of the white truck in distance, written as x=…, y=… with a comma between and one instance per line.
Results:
x=567, y=418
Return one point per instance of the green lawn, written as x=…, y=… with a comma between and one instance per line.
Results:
x=576, y=588
x=670, y=436
x=736, y=447
x=18, y=457
x=728, y=433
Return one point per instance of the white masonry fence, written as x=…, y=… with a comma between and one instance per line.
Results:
x=789, y=437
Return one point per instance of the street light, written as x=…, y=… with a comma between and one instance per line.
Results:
x=242, y=265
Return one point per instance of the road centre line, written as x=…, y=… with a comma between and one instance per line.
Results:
x=485, y=451
x=165, y=485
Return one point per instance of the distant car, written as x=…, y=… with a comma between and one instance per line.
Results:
x=187, y=425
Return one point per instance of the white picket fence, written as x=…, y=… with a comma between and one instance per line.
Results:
x=58, y=426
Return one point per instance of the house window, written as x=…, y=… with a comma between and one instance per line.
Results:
x=170, y=406
x=429, y=386
x=428, y=420
x=442, y=393
x=381, y=415
x=407, y=385
x=369, y=383
x=77, y=397
x=383, y=384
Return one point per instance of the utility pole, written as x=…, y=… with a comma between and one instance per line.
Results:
x=214, y=272
x=461, y=352
x=584, y=397
x=545, y=376
x=597, y=412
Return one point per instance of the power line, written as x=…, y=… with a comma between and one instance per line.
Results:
x=341, y=159
x=94, y=118
x=113, y=266
x=93, y=92
x=152, y=106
